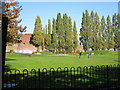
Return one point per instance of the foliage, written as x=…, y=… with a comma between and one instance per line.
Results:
x=102, y=52
x=75, y=36
x=37, y=39
x=100, y=35
x=54, y=35
x=48, y=36
x=12, y=11
x=62, y=35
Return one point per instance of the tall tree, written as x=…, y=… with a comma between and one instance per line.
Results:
x=92, y=23
x=75, y=36
x=102, y=34
x=12, y=11
x=54, y=35
x=96, y=32
x=65, y=26
x=37, y=34
x=115, y=30
x=49, y=35
x=59, y=31
x=85, y=31
x=110, y=38
x=45, y=36
x=118, y=33
x=69, y=36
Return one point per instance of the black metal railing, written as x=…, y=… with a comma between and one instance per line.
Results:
x=98, y=77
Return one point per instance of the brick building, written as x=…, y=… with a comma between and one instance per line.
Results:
x=26, y=47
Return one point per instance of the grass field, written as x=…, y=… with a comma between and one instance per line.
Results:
x=17, y=61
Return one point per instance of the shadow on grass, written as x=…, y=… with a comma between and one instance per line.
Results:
x=98, y=77
x=24, y=54
x=117, y=61
x=8, y=59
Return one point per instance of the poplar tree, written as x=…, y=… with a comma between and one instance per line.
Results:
x=37, y=34
x=85, y=31
x=45, y=37
x=95, y=32
x=69, y=36
x=48, y=38
x=92, y=17
x=118, y=33
x=62, y=36
x=103, y=38
x=65, y=27
x=75, y=36
x=59, y=31
x=110, y=38
x=115, y=30
x=54, y=40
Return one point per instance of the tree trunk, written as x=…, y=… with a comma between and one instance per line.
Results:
x=74, y=50
x=37, y=49
x=108, y=48
x=114, y=49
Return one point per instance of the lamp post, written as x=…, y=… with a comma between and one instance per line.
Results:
x=88, y=48
x=85, y=42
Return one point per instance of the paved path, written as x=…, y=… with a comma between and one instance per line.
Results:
x=61, y=55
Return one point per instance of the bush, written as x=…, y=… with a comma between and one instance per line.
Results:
x=78, y=51
x=34, y=52
x=12, y=51
x=102, y=52
x=46, y=53
x=62, y=52
x=69, y=50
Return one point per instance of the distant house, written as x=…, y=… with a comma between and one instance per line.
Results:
x=25, y=46
x=80, y=48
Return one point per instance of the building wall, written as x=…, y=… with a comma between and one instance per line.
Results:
x=26, y=46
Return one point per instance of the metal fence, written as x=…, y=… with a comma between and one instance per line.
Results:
x=98, y=77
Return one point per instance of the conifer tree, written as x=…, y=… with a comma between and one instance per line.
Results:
x=54, y=35
x=49, y=35
x=45, y=37
x=103, y=38
x=37, y=34
x=75, y=36
x=85, y=31
x=65, y=26
x=110, y=38
x=96, y=32
x=59, y=31
x=92, y=21
x=118, y=33
x=115, y=30
x=69, y=36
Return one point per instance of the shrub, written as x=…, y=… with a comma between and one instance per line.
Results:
x=46, y=53
x=12, y=51
x=102, y=52
x=78, y=51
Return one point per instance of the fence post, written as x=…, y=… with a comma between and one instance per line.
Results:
x=118, y=68
x=39, y=77
x=107, y=77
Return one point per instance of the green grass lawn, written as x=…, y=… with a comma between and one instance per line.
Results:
x=16, y=61
x=84, y=78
